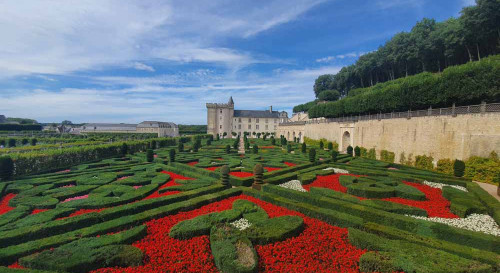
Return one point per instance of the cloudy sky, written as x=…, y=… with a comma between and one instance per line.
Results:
x=129, y=61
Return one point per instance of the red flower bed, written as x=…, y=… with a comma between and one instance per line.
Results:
x=170, y=183
x=16, y=265
x=271, y=169
x=4, y=204
x=267, y=147
x=212, y=168
x=290, y=164
x=435, y=205
x=35, y=211
x=192, y=163
x=319, y=248
x=241, y=174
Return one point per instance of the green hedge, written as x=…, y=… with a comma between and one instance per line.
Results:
x=470, y=83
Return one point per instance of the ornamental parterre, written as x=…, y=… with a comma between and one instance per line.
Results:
x=187, y=212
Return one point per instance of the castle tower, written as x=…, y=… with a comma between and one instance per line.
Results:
x=219, y=118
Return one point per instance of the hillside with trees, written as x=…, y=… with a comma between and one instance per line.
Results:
x=430, y=46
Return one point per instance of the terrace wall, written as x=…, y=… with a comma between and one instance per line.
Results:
x=454, y=137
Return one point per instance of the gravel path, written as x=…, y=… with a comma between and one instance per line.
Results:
x=491, y=189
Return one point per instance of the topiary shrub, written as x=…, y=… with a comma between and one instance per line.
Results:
x=153, y=144
x=24, y=141
x=236, y=143
x=33, y=141
x=303, y=148
x=458, y=168
x=224, y=170
x=312, y=155
x=218, y=137
x=255, y=149
x=349, y=150
x=289, y=148
x=330, y=146
x=171, y=155
x=209, y=142
x=6, y=167
x=424, y=162
x=12, y=142
x=149, y=155
x=180, y=146
x=321, y=145
x=273, y=141
x=228, y=149
x=124, y=149
x=357, y=151
x=258, y=171
x=335, y=155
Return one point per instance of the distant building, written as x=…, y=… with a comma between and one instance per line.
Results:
x=222, y=118
x=163, y=129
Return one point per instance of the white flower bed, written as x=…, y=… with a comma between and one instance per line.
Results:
x=241, y=224
x=475, y=222
x=336, y=170
x=293, y=185
x=441, y=185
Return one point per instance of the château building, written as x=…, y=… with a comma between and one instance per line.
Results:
x=223, y=118
x=163, y=129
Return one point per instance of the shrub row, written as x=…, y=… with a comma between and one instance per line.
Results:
x=470, y=83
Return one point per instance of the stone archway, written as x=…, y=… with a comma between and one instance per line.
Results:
x=346, y=140
x=294, y=135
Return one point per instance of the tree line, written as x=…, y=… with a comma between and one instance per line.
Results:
x=430, y=46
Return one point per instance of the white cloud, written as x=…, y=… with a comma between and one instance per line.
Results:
x=141, y=66
x=389, y=4
x=61, y=37
x=340, y=56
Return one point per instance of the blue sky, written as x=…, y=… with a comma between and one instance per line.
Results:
x=129, y=61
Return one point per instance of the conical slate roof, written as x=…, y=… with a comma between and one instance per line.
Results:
x=231, y=102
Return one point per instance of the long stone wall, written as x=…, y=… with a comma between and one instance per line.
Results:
x=451, y=137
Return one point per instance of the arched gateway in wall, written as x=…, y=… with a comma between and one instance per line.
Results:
x=346, y=140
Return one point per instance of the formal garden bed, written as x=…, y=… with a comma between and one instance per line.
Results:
x=199, y=206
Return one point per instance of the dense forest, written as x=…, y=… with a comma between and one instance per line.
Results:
x=430, y=46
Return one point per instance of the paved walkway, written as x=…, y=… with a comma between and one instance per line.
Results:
x=491, y=189
x=241, y=149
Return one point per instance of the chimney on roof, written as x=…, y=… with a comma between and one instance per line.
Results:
x=271, y=108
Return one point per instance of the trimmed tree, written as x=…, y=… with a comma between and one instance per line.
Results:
x=273, y=141
x=349, y=150
x=228, y=149
x=312, y=155
x=209, y=142
x=335, y=155
x=6, y=167
x=217, y=137
x=25, y=141
x=180, y=146
x=224, y=135
x=255, y=149
x=171, y=155
x=458, y=168
x=357, y=151
x=12, y=142
x=149, y=155
x=289, y=148
x=236, y=144
x=258, y=172
x=303, y=148
x=34, y=141
x=224, y=170
x=321, y=145
x=153, y=144
x=330, y=146
x=124, y=149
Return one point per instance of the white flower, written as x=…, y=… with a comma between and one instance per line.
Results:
x=336, y=170
x=293, y=185
x=241, y=224
x=475, y=222
x=441, y=185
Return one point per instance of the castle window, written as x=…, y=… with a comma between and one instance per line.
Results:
x=257, y=127
x=249, y=126
x=220, y=111
x=239, y=119
x=249, y=120
x=239, y=126
x=257, y=120
x=220, y=126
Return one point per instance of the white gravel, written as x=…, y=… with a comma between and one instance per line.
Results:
x=475, y=222
x=336, y=170
x=293, y=185
x=241, y=224
x=441, y=185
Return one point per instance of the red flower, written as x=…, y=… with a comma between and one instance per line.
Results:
x=271, y=169
x=193, y=163
x=35, y=211
x=241, y=174
x=4, y=204
x=289, y=164
x=212, y=168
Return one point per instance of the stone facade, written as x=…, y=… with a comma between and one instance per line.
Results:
x=163, y=129
x=222, y=118
x=454, y=137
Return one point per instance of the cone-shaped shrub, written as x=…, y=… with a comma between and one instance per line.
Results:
x=357, y=151
x=458, y=168
x=180, y=146
x=255, y=149
x=149, y=155
x=289, y=148
x=335, y=155
x=349, y=150
x=330, y=146
x=304, y=147
x=321, y=145
x=171, y=155
x=312, y=155
x=258, y=171
x=225, y=175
